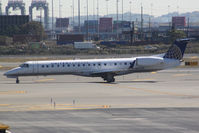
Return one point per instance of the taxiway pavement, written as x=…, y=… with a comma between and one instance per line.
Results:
x=166, y=101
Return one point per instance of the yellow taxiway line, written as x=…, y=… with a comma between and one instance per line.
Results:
x=181, y=75
x=4, y=105
x=194, y=57
x=153, y=72
x=12, y=92
x=45, y=107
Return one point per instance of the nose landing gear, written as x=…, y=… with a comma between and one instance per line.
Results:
x=17, y=80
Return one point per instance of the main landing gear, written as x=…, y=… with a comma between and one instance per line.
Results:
x=109, y=78
x=17, y=80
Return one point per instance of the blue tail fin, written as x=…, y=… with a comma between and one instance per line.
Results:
x=176, y=51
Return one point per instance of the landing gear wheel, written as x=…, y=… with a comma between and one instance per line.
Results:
x=109, y=78
x=17, y=81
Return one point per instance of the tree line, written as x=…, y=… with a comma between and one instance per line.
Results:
x=30, y=28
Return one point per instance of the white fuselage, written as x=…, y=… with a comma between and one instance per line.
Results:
x=93, y=67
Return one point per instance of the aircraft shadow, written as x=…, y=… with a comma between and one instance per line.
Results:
x=137, y=81
x=117, y=82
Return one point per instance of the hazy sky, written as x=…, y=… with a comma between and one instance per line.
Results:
x=154, y=7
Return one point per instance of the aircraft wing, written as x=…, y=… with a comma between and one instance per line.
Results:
x=101, y=73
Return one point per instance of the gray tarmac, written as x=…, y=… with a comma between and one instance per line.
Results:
x=162, y=102
x=155, y=120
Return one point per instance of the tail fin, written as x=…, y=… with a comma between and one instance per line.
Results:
x=176, y=51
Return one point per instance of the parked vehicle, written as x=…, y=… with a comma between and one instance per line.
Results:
x=85, y=45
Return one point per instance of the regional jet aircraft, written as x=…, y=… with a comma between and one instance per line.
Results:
x=104, y=68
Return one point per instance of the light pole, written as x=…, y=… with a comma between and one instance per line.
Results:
x=52, y=16
x=79, y=16
x=87, y=19
x=60, y=15
x=93, y=9
x=178, y=7
x=169, y=17
x=142, y=21
x=59, y=8
x=122, y=11
x=168, y=13
x=98, y=18
x=107, y=7
x=73, y=14
x=130, y=3
x=41, y=16
x=117, y=19
x=122, y=15
x=150, y=19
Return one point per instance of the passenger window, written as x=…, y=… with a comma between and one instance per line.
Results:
x=78, y=65
x=83, y=64
x=125, y=63
x=42, y=66
x=89, y=64
x=47, y=66
x=115, y=64
x=93, y=64
x=99, y=64
x=105, y=64
x=58, y=65
x=73, y=65
x=68, y=65
x=52, y=65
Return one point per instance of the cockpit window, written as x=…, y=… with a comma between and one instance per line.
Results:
x=24, y=65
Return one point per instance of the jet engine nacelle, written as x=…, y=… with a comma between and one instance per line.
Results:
x=149, y=61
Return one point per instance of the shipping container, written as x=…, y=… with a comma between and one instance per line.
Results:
x=69, y=38
x=92, y=26
x=179, y=22
x=106, y=25
x=62, y=22
x=26, y=38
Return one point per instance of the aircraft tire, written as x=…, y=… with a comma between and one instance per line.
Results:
x=17, y=81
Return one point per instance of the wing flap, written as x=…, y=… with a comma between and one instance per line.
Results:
x=99, y=73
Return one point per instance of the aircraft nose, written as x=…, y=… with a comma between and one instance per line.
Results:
x=12, y=72
x=5, y=74
x=8, y=73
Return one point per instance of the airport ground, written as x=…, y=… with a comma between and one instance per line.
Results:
x=162, y=102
